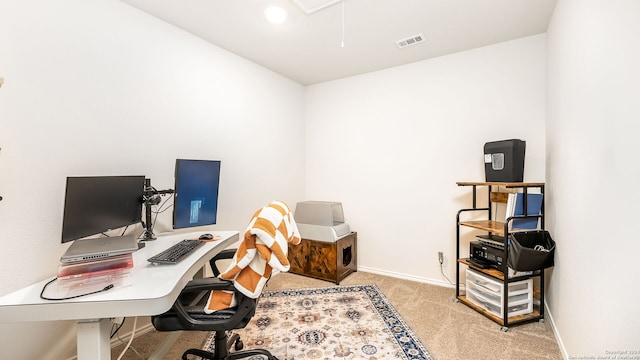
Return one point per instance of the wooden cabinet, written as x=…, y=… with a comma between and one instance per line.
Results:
x=332, y=261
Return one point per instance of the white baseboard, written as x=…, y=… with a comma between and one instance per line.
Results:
x=548, y=315
x=406, y=277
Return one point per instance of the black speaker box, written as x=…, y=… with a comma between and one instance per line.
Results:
x=504, y=160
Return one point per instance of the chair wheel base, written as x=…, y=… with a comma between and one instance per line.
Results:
x=197, y=352
x=239, y=345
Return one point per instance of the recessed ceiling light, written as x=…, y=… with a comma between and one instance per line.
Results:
x=275, y=14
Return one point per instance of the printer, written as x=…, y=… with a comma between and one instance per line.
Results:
x=321, y=220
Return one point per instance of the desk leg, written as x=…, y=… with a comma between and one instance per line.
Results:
x=93, y=339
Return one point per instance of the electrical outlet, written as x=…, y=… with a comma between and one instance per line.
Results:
x=440, y=257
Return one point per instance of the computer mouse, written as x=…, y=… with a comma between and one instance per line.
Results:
x=206, y=237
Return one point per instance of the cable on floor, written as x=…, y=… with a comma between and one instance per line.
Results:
x=133, y=334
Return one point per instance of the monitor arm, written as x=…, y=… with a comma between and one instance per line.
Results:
x=151, y=197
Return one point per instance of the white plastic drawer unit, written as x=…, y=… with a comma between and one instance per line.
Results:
x=488, y=293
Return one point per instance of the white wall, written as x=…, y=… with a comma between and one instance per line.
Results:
x=592, y=173
x=100, y=88
x=391, y=145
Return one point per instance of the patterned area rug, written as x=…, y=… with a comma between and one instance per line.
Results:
x=345, y=322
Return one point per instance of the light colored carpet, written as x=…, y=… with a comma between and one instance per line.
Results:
x=450, y=330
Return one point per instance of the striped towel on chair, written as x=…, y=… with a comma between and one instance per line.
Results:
x=263, y=248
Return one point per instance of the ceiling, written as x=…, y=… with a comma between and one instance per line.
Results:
x=307, y=47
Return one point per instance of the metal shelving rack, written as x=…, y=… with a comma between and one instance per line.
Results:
x=502, y=229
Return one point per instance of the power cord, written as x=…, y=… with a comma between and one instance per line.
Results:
x=133, y=334
x=441, y=261
x=115, y=329
x=108, y=287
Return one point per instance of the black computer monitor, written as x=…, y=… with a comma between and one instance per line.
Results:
x=96, y=204
x=195, y=193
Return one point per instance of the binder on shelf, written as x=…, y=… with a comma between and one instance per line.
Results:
x=511, y=199
x=515, y=207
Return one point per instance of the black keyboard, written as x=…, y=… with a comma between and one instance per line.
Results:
x=176, y=252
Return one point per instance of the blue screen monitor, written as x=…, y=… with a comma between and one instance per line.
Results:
x=195, y=193
x=96, y=204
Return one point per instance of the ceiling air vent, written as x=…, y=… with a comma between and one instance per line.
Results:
x=411, y=40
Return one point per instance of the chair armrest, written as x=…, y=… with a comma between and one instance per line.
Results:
x=211, y=283
x=222, y=255
x=227, y=318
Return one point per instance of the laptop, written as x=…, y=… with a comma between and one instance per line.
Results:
x=97, y=248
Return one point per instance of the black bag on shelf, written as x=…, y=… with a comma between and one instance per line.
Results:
x=531, y=250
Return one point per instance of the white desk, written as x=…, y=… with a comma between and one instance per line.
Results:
x=149, y=290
